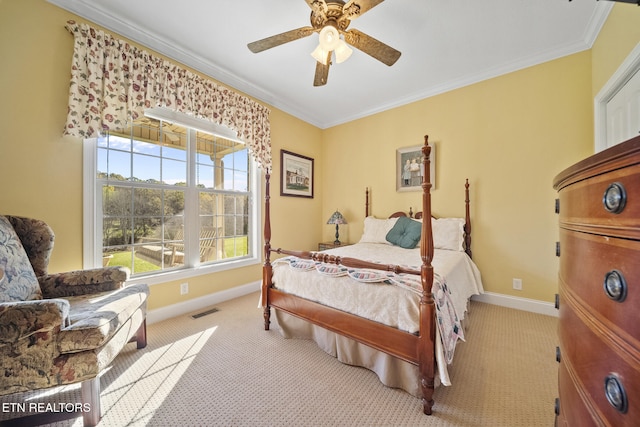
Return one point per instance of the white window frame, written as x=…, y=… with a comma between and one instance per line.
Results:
x=92, y=205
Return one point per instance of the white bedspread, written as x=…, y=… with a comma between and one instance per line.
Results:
x=392, y=305
x=389, y=304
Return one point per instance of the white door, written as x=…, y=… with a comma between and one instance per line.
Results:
x=623, y=112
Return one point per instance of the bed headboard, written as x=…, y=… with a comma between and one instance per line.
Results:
x=418, y=215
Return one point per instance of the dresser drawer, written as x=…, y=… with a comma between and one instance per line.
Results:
x=587, y=354
x=573, y=411
x=585, y=261
x=581, y=204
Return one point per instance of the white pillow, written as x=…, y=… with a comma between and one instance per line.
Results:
x=375, y=230
x=448, y=233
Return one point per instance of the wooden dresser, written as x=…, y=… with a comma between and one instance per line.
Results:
x=599, y=289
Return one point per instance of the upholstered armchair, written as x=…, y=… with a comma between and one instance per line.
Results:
x=65, y=328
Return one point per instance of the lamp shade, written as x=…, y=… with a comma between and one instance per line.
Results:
x=329, y=37
x=320, y=55
x=343, y=52
x=337, y=218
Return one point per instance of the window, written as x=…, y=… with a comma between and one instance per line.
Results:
x=165, y=197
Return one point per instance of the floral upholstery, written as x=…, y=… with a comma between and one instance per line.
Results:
x=63, y=328
x=96, y=317
x=20, y=282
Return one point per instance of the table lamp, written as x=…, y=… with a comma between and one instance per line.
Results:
x=337, y=219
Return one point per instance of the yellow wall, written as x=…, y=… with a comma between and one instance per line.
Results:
x=509, y=135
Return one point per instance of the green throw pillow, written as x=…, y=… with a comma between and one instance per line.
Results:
x=406, y=233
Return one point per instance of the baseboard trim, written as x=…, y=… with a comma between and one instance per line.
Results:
x=182, y=308
x=518, y=303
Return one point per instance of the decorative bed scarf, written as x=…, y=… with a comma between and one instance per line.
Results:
x=449, y=323
x=113, y=82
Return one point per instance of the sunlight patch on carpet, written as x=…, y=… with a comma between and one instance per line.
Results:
x=162, y=369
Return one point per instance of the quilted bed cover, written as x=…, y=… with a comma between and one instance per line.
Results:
x=384, y=296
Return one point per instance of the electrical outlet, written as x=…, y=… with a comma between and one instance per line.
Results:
x=517, y=284
x=184, y=288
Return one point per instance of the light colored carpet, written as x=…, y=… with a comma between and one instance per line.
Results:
x=223, y=369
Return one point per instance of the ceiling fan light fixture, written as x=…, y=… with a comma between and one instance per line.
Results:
x=330, y=20
x=320, y=55
x=343, y=52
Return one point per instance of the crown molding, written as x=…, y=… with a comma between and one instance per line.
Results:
x=92, y=12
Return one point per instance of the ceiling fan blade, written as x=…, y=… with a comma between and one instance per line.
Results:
x=279, y=39
x=372, y=47
x=356, y=8
x=322, y=72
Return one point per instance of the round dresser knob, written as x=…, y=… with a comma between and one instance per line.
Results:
x=615, y=286
x=615, y=393
x=615, y=198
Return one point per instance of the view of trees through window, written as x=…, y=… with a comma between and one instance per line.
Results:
x=172, y=197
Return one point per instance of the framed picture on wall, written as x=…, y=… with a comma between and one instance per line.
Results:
x=409, y=168
x=296, y=175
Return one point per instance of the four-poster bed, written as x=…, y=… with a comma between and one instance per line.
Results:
x=411, y=339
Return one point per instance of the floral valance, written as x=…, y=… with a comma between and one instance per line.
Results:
x=113, y=82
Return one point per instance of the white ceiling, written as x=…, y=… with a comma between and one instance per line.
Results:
x=445, y=44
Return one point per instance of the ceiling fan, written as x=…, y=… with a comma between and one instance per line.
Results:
x=331, y=18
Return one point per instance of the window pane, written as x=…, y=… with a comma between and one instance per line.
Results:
x=174, y=172
x=114, y=232
x=147, y=213
x=169, y=152
x=116, y=201
x=149, y=230
x=175, y=241
x=146, y=168
x=204, y=158
x=116, y=142
x=145, y=147
x=174, y=203
x=102, y=141
x=242, y=225
x=147, y=202
x=241, y=161
x=208, y=204
x=228, y=179
x=126, y=256
x=204, y=176
x=210, y=244
x=101, y=163
x=119, y=165
x=174, y=229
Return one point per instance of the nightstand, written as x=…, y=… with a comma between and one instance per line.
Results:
x=330, y=245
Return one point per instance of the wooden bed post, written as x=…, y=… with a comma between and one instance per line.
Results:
x=267, y=268
x=426, y=343
x=366, y=202
x=467, y=221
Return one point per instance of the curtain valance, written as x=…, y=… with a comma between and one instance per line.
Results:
x=113, y=82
